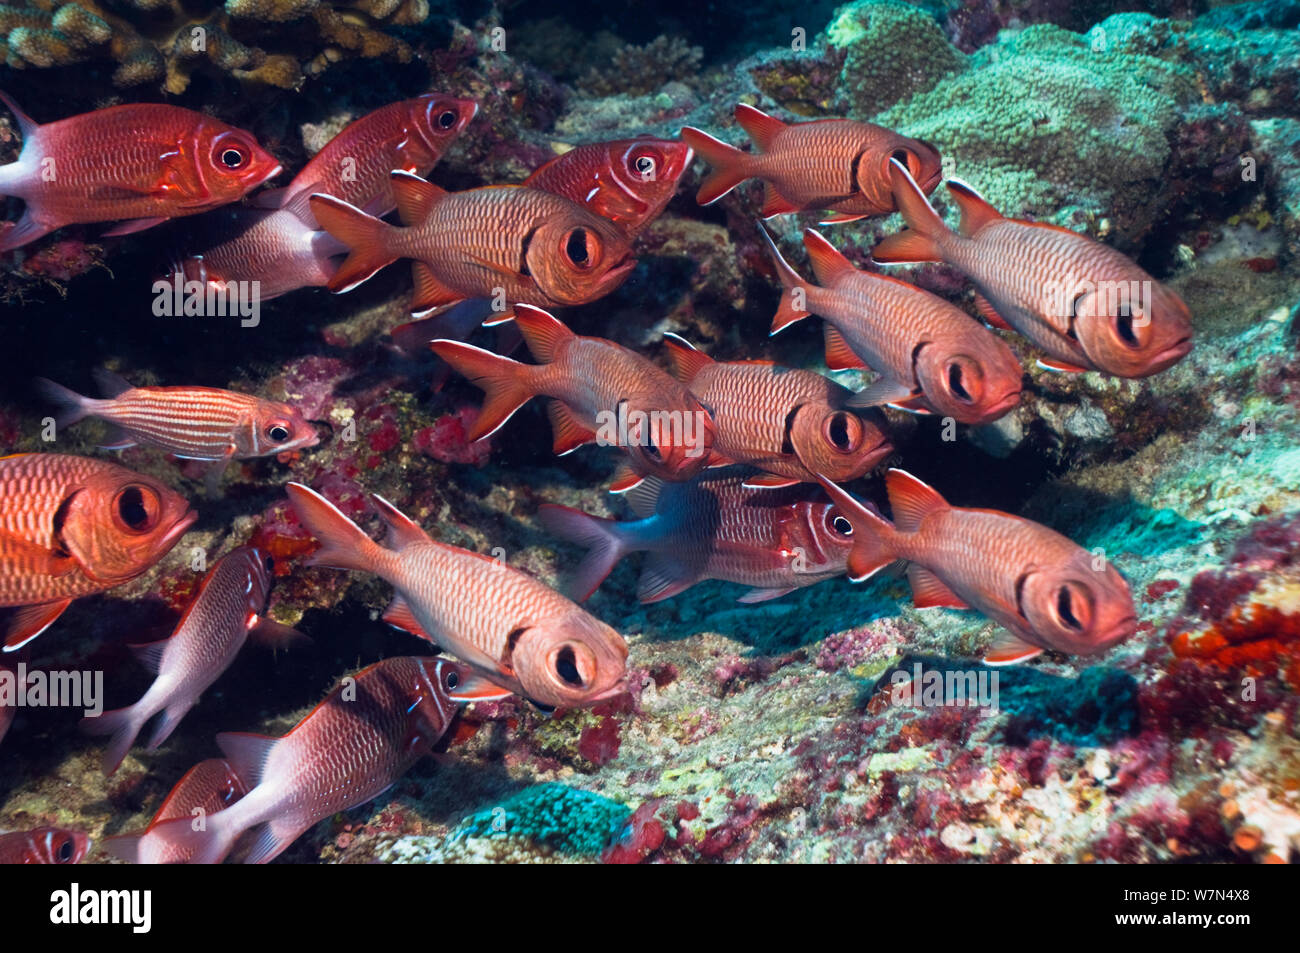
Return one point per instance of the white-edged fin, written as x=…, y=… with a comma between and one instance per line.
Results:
x=1008, y=649
x=247, y=754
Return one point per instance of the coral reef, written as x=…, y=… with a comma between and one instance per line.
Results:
x=639, y=70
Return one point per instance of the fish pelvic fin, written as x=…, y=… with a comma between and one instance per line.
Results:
x=794, y=296
x=605, y=545
x=730, y=165
x=506, y=384
x=365, y=236
x=872, y=533
x=343, y=544
x=925, y=229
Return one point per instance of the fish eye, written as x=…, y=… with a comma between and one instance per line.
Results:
x=644, y=166
x=66, y=851
x=1065, y=609
x=955, y=383
x=566, y=666
x=907, y=160
x=844, y=431
x=840, y=525
x=451, y=681
x=1124, y=327
x=278, y=431
x=447, y=118
x=268, y=564
x=136, y=508
x=233, y=158
x=582, y=248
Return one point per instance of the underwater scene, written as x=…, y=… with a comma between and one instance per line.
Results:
x=558, y=432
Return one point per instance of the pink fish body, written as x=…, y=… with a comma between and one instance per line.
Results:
x=350, y=749
x=208, y=787
x=1045, y=590
x=210, y=634
x=520, y=635
x=44, y=845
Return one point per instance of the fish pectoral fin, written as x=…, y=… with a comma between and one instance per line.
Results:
x=762, y=595
x=40, y=560
x=769, y=481
x=132, y=226
x=276, y=635
x=1008, y=649
x=883, y=391
x=27, y=622
x=1061, y=367
x=570, y=432
x=399, y=615
x=990, y=314
x=929, y=591
x=478, y=688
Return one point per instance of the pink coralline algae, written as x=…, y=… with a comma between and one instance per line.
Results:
x=445, y=439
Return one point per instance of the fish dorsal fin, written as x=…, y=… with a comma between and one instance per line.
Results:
x=839, y=356
x=402, y=530
x=247, y=754
x=990, y=314
x=110, y=384
x=762, y=128
x=570, y=432
x=400, y=615
x=828, y=264
x=1008, y=649
x=976, y=212
x=911, y=500
x=644, y=497
x=150, y=654
x=26, y=124
x=543, y=332
x=688, y=360
x=929, y=591
x=415, y=196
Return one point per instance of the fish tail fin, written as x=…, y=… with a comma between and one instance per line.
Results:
x=920, y=241
x=123, y=725
x=365, y=236
x=72, y=407
x=794, y=294
x=730, y=165
x=872, y=534
x=166, y=723
x=209, y=844
x=344, y=545
x=605, y=546
x=505, y=383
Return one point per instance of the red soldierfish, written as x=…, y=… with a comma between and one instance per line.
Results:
x=1083, y=303
x=931, y=356
x=715, y=527
x=208, y=787
x=834, y=164
x=601, y=392
x=520, y=635
x=1048, y=592
x=517, y=243
x=285, y=249
x=44, y=845
x=72, y=526
x=143, y=162
x=350, y=749
x=228, y=607
x=792, y=424
x=628, y=181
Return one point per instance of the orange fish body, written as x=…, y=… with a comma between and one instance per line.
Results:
x=72, y=526
x=519, y=244
x=628, y=181
x=208, y=787
x=793, y=424
x=1045, y=590
x=142, y=162
x=1087, y=306
x=930, y=355
x=827, y=164
x=44, y=845
x=601, y=392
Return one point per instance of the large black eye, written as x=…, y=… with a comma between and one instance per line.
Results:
x=576, y=247
x=66, y=851
x=838, y=431
x=451, y=681
x=447, y=119
x=955, y=383
x=134, y=510
x=233, y=158
x=842, y=526
x=1065, y=608
x=278, y=432
x=1124, y=326
x=644, y=165
x=900, y=155
x=566, y=667
x=268, y=564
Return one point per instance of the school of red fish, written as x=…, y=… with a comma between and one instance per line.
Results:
x=732, y=469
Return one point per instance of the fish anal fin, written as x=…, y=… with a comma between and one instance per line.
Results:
x=1008, y=649
x=429, y=292
x=570, y=432
x=399, y=615
x=27, y=622
x=990, y=314
x=929, y=591
x=774, y=203
x=839, y=356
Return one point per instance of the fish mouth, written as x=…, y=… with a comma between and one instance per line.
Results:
x=618, y=273
x=1005, y=403
x=620, y=687
x=1172, y=354
x=179, y=529
x=1120, y=631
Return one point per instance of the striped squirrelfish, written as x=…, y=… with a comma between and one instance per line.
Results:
x=628, y=181
x=193, y=423
x=1087, y=306
x=1046, y=591
x=281, y=245
x=520, y=243
x=208, y=787
x=931, y=356
x=519, y=635
x=212, y=630
x=790, y=423
x=73, y=526
x=827, y=164
x=350, y=749
x=143, y=162
x=714, y=527
x=44, y=845
x=594, y=384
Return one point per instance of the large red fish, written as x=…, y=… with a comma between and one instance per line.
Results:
x=193, y=423
x=790, y=423
x=229, y=605
x=714, y=527
x=142, y=162
x=73, y=526
x=44, y=845
x=1083, y=303
x=930, y=355
x=208, y=787
x=827, y=164
x=628, y=181
x=601, y=392
x=517, y=633
x=1046, y=591
x=285, y=249
x=520, y=244
x=350, y=749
